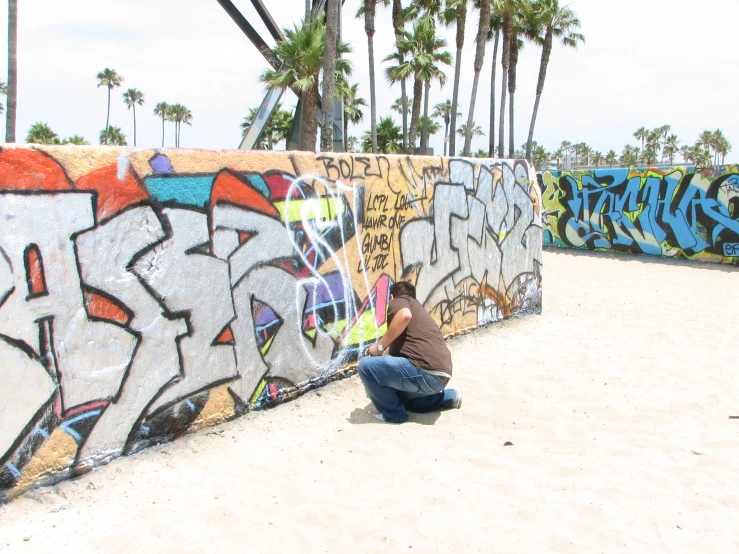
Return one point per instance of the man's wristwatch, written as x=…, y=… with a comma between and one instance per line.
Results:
x=380, y=348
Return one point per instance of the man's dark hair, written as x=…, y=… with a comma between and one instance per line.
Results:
x=403, y=288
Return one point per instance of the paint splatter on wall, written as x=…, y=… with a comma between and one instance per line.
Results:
x=679, y=212
x=147, y=293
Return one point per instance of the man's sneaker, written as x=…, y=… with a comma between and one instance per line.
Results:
x=384, y=419
x=457, y=402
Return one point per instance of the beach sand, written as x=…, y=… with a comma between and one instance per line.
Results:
x=616, y=401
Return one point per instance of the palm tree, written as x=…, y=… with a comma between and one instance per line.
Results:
x=641, y=134
x=397, y=105
x=611, y=158
x=597, y=158
x=432, y=126
x=41, y=133
x=557, y=23
x=540, y=156
x=302, y=54
x=368, y=10
x=351, y=144
x=558, y=155
x=653, y=147
x=161, y=110
x=109, y=79
x=423, y=49
x=444, y=111
x=131, y=98
x=629, y=156
x=663, y=131
x=114, y=136
x=516, y=47
x=455, y=13
x=329, y=75
x=389, y=137
x=353, y=104
x=506, y=10
x=398, y=27
x=179, y=114
x=12, y=70
x=474, y=131
x=482, y=39
x=277, y=128
x=671, y=147
x=76, y=139
x=496, y=25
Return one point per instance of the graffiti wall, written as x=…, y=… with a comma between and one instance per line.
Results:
x=679, y=212
x=146, y=293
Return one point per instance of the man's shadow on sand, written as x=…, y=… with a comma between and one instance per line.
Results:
x=363, y=416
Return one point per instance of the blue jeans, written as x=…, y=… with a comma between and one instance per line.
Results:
x=396, y=386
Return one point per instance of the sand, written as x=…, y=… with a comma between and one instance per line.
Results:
x=617, y=401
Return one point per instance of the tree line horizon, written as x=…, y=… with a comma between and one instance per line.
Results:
x=417, y=63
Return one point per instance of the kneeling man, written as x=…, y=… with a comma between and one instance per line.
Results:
x=413, y=377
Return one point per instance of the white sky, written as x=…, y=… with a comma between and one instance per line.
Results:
x=646, y=63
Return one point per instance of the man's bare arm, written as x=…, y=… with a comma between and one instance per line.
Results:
x=396, y=328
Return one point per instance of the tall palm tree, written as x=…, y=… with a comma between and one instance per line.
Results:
x=641, y=134
x=389, y=137
x=444, y=111
x=179, y=114
x=597, y=158
x=506, y=9
x=131, y=98
x=474, y=130
x=496, y=26
x=455, y=13
x=432, y=126
x=556, y=23
x=114, y=136
x=398, y=27
x=161, y=110
x=12, y=70
x=368, y=10
x=41, y=133
x=516, y=47
x=329, y=75
x=482, y=38
x=539, y=156
x=629, y=156
x=397, y=105
x=671, y=147
x=109, y=79
x=611, y=158
x=302, y=54
x=422, y=51
x=353, y=104
x=664, y=130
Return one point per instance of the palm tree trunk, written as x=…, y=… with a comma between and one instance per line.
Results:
x=107, y=119
x=415, y=113
x=329, y=74
x=491, y=141
x=505, y=60
x=369, y=28
x=512, y=93
x=162, y=131
x=307, y=10
x=346, y=133
x=12, y=70
x=446, y=134
x=482, y=32
x=310, y=121
x=425, y=130
x=546, y=52
x=398, y=27
x=134, y=125
x=461, y=21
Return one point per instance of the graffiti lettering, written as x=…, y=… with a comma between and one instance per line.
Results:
x=676, y=212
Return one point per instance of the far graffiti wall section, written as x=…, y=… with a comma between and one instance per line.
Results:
x=681, y=212
x=146, y=293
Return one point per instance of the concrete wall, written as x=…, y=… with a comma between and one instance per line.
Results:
x=147, y=293
x=680, y=212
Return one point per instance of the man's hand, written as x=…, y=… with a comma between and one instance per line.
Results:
x=373, y=351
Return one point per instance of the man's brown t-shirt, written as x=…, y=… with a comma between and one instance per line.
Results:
x=421, y=342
